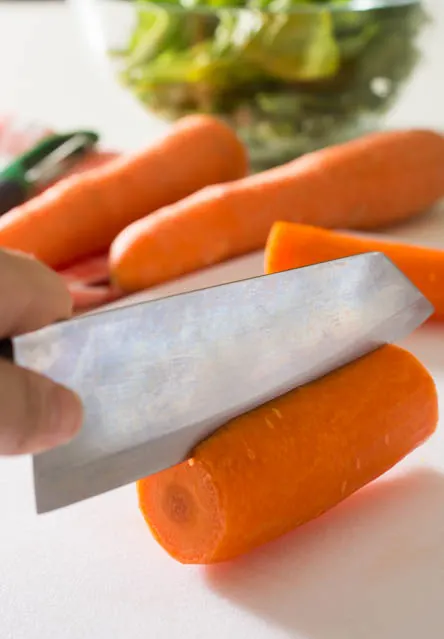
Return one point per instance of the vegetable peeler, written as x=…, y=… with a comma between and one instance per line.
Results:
x=38, y=167
x=158, y=377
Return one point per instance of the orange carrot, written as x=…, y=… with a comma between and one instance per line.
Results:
x=82, y=214
x=293, y=245
x=291, y=459
x=367, y=183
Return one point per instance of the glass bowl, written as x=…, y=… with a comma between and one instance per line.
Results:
x=290, y=76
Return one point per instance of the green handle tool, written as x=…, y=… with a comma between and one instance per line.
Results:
x=44, y=163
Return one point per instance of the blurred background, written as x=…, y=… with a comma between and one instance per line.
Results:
x=289, y=80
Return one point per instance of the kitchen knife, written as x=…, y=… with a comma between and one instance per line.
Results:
x=157, y=377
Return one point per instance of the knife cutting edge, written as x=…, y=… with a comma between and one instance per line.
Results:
x=158, y=377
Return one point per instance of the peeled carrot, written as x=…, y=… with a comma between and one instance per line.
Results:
x=291, y=459
x=371, y=182
x=294, y=245
x=81, y=215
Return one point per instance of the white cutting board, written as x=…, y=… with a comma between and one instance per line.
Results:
x=372, y=568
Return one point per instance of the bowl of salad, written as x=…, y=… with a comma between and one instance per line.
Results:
x=291, y=76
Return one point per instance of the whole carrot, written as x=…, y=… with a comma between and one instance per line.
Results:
x=294, y=245
x=371, y=182
x=82, y=214
x=291, y=459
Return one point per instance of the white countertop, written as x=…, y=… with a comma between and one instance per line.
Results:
x=371, y=569
x=48, y=73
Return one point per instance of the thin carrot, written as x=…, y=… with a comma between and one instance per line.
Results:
x=292, y=459
x=293, y=245
x=81, y=215
x=371, y=182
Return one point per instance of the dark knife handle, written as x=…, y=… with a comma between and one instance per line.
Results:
x=7, y=349
x=12, y=193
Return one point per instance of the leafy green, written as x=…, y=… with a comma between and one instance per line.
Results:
x=295, y=47
x=290, y=75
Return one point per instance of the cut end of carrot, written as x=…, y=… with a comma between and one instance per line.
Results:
x=276, y=259
x=181, y=507
x=290, y=460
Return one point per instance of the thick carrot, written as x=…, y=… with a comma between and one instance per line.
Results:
x=82, y=214
x=291, y=459
x=371, y=182
x=293, y=245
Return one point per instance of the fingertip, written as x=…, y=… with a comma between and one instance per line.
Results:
x=37, y=294
x=35, y=413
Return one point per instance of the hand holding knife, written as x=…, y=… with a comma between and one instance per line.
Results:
x=156, y=378
x=35, y=413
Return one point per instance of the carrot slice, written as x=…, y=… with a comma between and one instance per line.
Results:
x=294, y=245
x=291, y=459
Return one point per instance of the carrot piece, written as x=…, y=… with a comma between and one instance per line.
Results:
x=292, y=459
x=370, y=182
x=294, y=245
x=90, y=271
x=80, y=215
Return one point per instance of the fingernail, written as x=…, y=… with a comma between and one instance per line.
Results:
x=67, y=415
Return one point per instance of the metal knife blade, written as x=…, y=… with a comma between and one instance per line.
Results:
x=158, y=377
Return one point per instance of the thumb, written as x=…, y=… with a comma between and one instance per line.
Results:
x=35, y=413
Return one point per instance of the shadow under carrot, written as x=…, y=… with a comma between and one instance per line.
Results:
x=371, y=568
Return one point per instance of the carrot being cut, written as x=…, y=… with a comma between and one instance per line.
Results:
x=294, y=245
x=370, y=182
x=81, y=215
x=292, y=459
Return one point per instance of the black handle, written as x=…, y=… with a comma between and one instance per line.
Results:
x=12, y=194
x=7, y=349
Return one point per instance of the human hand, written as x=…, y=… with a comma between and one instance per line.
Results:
x=35, y=413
